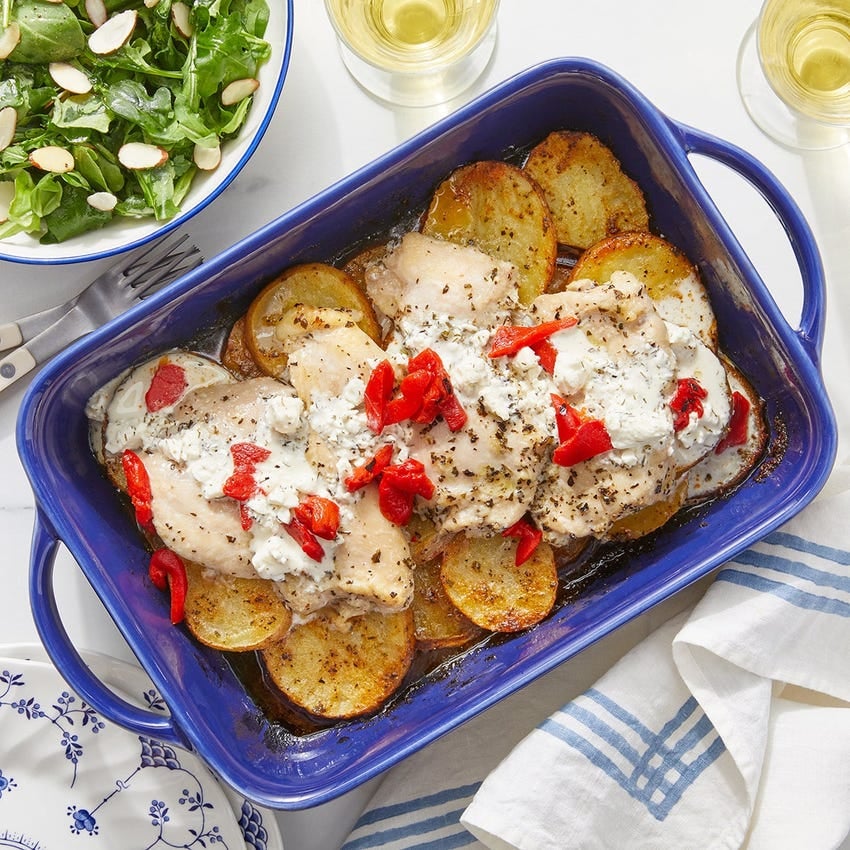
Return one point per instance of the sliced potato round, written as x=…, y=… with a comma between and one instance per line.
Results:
x=237, y=356
x=719, y=472
x=481, y=578
x=338, y=674
x=650, y=518
x=311, y=284
x=436, y=620
x=496, y=208
x=233, y=614
x=671, y=279
x=588, y=193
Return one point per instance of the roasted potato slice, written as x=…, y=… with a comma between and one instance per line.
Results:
x=237, y=356
x=589, y=195
x=310, y=284
x=481, y=578
x=720, y=471
x=650, y=518
x=336, y=673
x=436, y=620
x=496, y=208
x=671, y=279
x=233, y=614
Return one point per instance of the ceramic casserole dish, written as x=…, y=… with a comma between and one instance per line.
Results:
x=211, y=710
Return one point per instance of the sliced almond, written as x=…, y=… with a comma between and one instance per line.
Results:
x=151, y=3
x=103, y=201
x=139, y=155
x=7, y=195
x=207, y=159
x=8, y=122
x=9, y=39
x=238, y=90
x=69, y=78
x=180, y=16
x=52, y=158
x=114, y=34
x=97, y=12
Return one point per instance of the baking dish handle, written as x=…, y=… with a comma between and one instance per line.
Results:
x=66, y=658
x=812, y=318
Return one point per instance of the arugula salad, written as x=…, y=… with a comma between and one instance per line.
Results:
x=111, y=107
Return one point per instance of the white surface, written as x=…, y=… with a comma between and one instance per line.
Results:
x=680, y=55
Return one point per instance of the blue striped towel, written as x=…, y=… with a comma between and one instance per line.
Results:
x=727, y=727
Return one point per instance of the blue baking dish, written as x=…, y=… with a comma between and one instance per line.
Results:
x=211, y=711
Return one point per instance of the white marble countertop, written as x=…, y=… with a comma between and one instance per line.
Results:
x=682, y=56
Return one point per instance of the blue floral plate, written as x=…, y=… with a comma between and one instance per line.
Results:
x=70, y=778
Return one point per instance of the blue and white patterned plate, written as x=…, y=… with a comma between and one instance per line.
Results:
x=69, y=778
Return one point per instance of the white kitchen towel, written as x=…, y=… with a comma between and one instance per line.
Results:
x=727, y=727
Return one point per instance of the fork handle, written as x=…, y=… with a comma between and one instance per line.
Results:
x=10, y=335
x=15, y=365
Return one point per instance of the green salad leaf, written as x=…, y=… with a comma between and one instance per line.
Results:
x=161, y=88
x=50, y=32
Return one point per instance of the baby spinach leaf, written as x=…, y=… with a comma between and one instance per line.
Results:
x=50, y=32
x=73, y=217
x=81, y=111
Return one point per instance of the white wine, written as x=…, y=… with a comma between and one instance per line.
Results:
x=414, y=51
x=804, y=48
x=403, y=35
x=411, y=23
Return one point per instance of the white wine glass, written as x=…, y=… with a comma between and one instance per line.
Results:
x=415, y=52
x=794, y=72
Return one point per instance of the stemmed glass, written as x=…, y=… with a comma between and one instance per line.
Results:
x=415, y=52
x=794, y=72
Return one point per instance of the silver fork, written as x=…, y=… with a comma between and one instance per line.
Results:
x=46, y=333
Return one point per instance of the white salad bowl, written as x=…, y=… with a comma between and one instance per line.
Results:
x=123, y=234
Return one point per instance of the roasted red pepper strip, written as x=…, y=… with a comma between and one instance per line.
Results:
x=688, y=399
x=241, y=485
x=409, y=477
x=738, y=423
x=166, y=570
x=167, y=385
x=248, y=455
x=509, y=339
x=547, y=354
x=245, y=518
x=453, y=413
x=408, y=403
x=320, y=515
x=379, y=390
x=424, y=393
x=590, y=439
x=396, y=505
x=305, y=538
x=369, y=471
x=138, y=488
x=529, y=537
x=566, y=418
x=399, y=486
